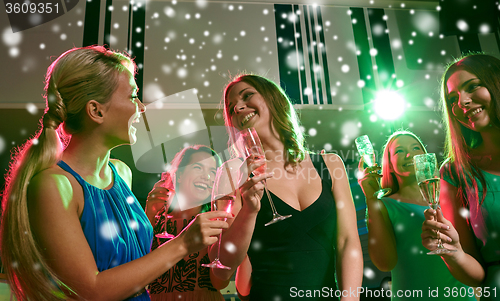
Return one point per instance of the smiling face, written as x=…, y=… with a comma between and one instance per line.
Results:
x=470, y=100
x=401, y=153
x=247, y=108
x=196, y=180
x=124, y=108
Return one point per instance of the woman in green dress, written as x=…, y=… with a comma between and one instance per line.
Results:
x=470, y=184
x=394, y=225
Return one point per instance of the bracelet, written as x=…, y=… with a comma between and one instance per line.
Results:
x=142, y=291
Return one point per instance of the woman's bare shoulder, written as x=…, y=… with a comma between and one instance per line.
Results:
x=54, y=185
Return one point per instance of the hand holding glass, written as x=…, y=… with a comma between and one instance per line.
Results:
x=249, y=144
x=427, y=173
x=221, y=201
x=365, y=150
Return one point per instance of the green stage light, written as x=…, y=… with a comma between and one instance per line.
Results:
x=389, y=105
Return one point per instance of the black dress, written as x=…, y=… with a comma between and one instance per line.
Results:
x=296, y=257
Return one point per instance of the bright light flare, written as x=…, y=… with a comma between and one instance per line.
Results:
x=389, y=105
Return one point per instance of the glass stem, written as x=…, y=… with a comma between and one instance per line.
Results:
x=270, y=199
x=165, y=214
x=440, y=243
x=218, y=248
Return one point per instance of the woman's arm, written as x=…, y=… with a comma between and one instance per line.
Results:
x=217, y=282
x=54, y=202
x=466, y=263
x=244, y=279
x=381, y=239
x=349, y=254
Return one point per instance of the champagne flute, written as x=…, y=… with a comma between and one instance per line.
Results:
x=221, y=201
x=365, y=150
x=167, y=184
x=250, y=145
x=427, y=173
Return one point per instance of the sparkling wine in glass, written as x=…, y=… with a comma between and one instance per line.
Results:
x=167, y=184
x=427, y=173
x=365, y=149
x=250, y=145
x=221, y=202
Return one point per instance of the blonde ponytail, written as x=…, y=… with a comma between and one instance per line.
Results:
x=22, y=260
x=77, y=76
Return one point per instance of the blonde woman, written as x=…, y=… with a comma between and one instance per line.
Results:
x=394, y=225
x=71, y=227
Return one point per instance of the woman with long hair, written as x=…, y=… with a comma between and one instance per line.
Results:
x=470, y=182
x=71, y=227
x=319, y=245
x=394, y=223
x=186, y=189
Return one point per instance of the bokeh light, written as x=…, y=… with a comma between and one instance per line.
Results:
x=389, y=105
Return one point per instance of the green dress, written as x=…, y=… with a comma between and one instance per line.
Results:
x=485, y=223
x=417, y=275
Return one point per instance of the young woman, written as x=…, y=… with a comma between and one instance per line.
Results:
x=319, y=244
x=394, y=224
x=191, y=176
x=71, y=227
x=470, y=183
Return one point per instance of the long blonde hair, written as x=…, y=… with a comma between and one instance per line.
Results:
x=389, y=179
x=74, y=78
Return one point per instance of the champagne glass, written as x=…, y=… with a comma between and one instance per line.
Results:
x=250, y=145
x=365, y=150
x=167, y=184
x=427, y=173
x=221, y=201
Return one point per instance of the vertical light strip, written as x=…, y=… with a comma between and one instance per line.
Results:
x=376, y=79
x=298, y=53
x=305, y=47
x=321, y=72
x=324, y=58
x=312, y=62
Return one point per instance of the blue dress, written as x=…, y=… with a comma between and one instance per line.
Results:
x=114, y=223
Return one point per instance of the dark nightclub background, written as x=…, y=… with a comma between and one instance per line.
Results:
x=331, y=57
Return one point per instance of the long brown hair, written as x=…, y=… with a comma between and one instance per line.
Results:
x=461, y=140
x=284, y=117
x=74, y=78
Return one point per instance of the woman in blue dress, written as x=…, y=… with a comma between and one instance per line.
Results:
x=470, y=184
x=71, y=227
x=394, y=225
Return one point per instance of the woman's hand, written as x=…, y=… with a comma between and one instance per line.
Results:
x=158, y=197
x=204, y=230
x=253, y=188
x=370, y=180
x=447, y=233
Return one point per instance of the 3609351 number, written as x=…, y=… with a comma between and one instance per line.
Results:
x=31, y=8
